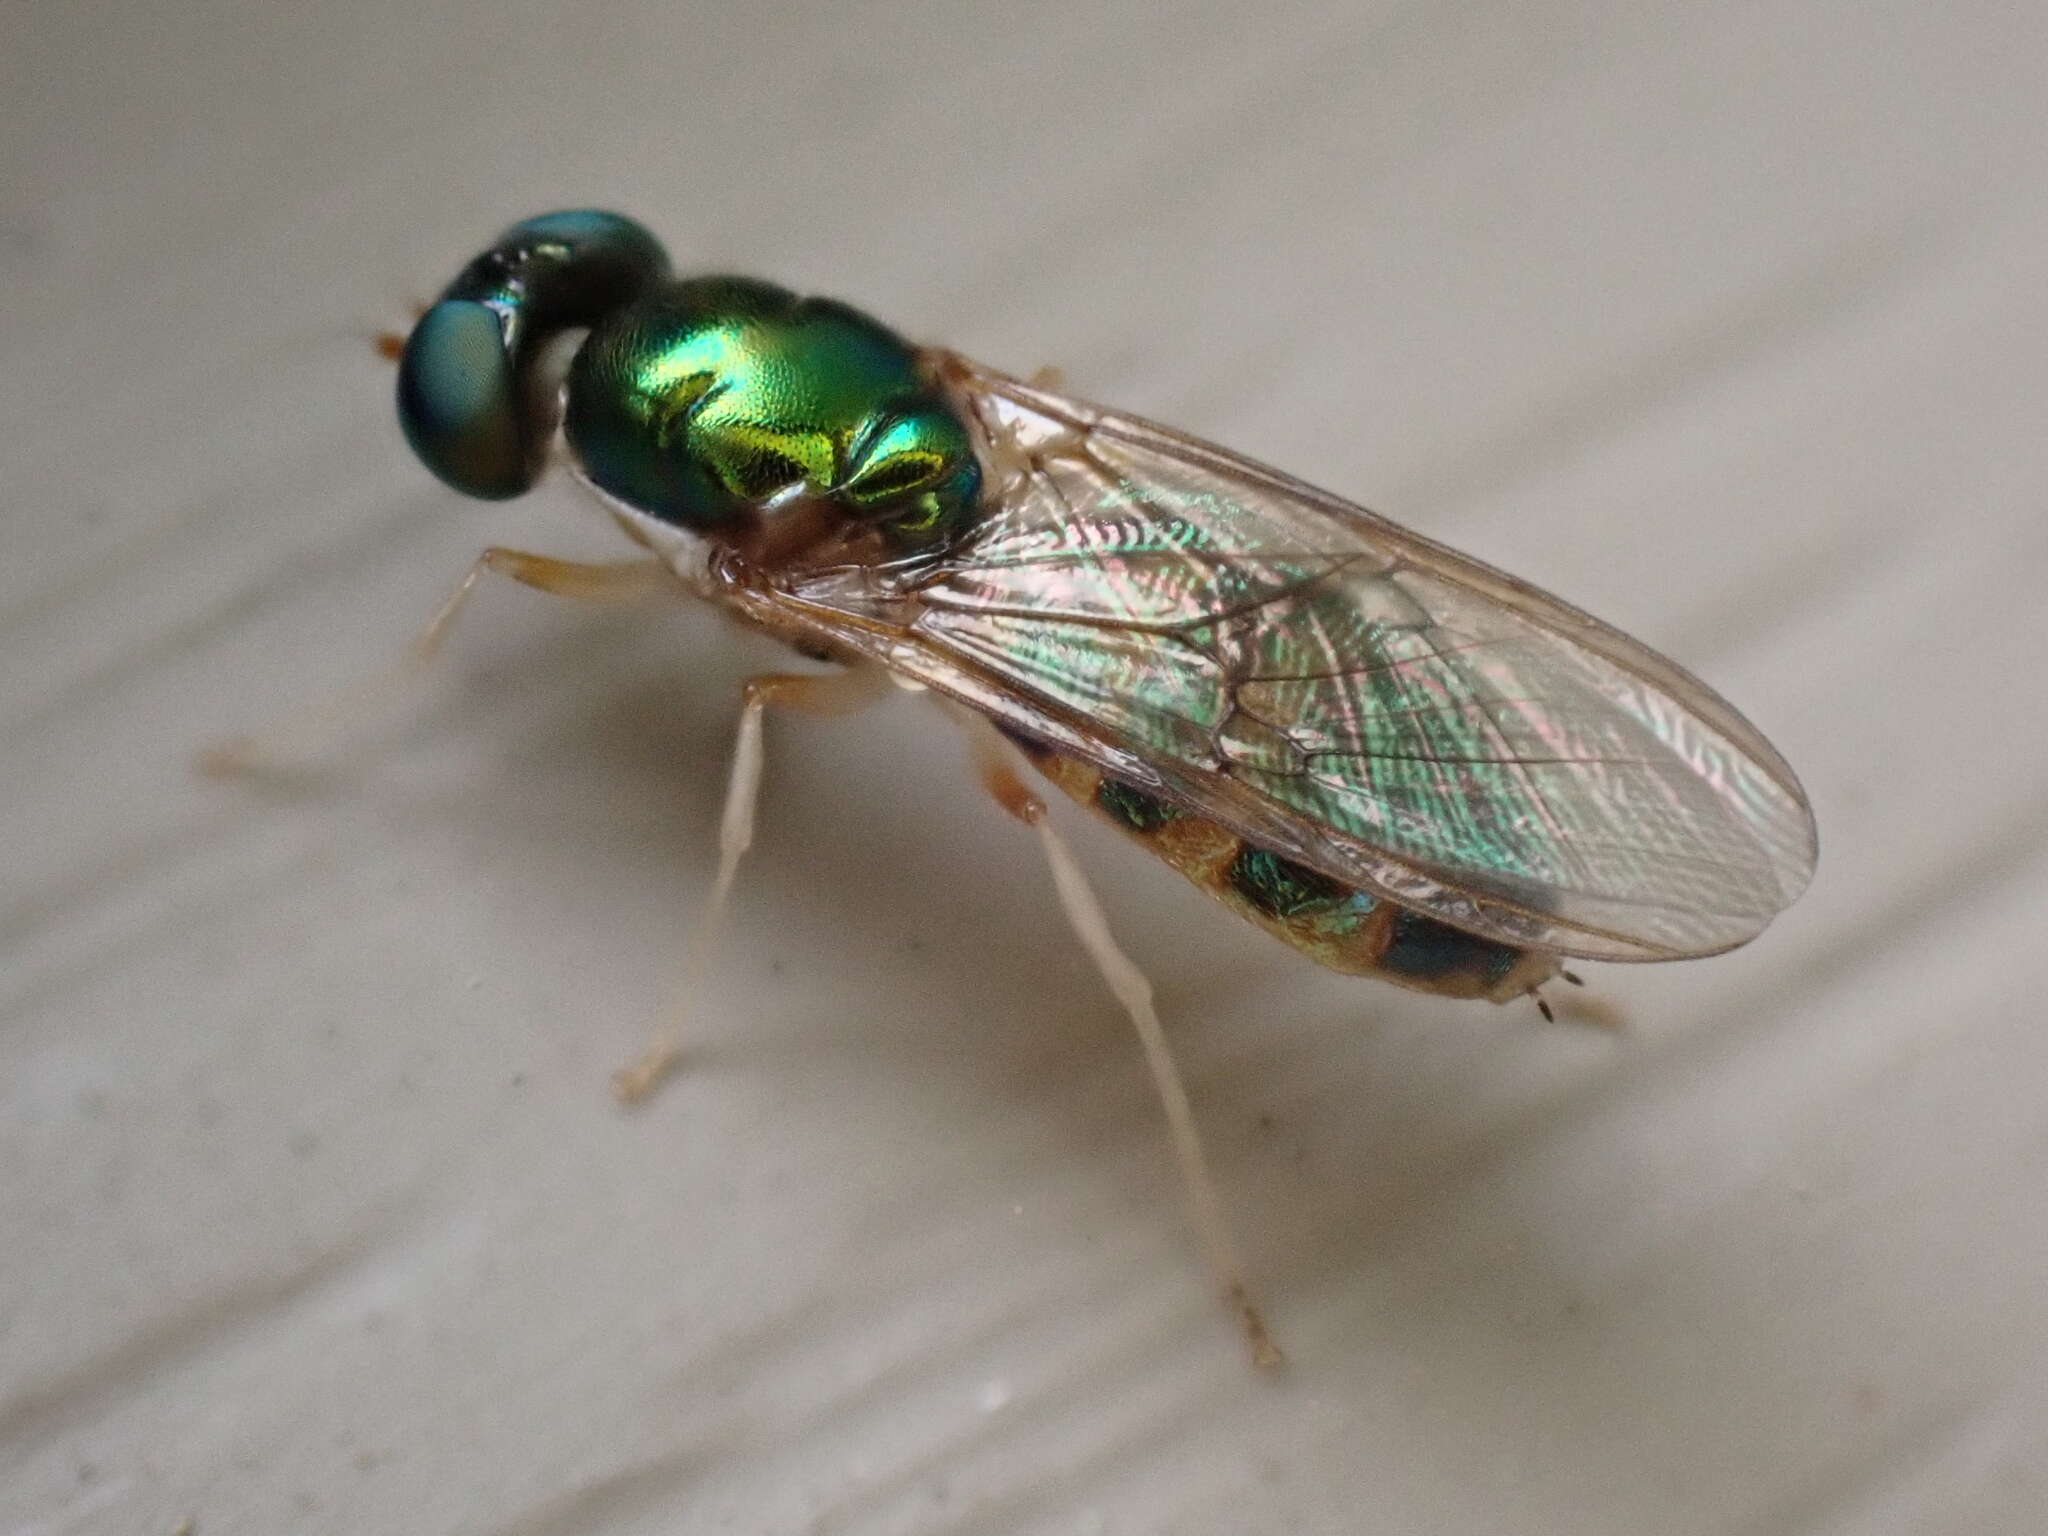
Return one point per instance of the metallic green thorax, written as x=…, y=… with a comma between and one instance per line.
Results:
x=710, y=399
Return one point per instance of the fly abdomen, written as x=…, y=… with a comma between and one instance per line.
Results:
x=1334, y=924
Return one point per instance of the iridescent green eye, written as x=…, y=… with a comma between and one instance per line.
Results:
x=466, y=400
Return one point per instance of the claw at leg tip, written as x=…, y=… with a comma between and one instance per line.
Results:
x=1266, y=1354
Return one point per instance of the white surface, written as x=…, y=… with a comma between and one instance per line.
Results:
x=1727, y=322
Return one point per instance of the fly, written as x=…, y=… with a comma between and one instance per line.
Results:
x=1402, y=762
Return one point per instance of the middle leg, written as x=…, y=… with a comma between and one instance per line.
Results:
x=820, y=695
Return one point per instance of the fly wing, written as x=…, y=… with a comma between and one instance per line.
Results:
x=1336, y=688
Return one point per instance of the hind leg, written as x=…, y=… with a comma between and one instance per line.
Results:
x=995, y=760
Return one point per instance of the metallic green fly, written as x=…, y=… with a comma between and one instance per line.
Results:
x=1401, y=761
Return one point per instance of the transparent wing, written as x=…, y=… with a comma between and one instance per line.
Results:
x=1336, y=688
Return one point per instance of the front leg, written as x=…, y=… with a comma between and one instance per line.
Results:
x=305, y=732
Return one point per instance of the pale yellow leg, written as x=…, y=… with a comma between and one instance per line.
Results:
x=305, y=733
x=995, y=760
x=821, y=695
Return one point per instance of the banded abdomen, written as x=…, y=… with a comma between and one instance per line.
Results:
x=1335, y=925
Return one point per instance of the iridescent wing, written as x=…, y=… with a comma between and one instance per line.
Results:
x=1335, y=688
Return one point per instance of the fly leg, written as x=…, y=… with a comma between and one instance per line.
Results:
x=305, y=732
x=820, y=695
x=996, y=764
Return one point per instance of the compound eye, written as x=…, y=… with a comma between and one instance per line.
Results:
x=458, y=402
x=469, y=400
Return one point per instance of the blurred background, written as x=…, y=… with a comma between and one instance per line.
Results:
x=1726, y=322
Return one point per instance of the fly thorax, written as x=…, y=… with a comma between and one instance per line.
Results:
x=795, y=431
